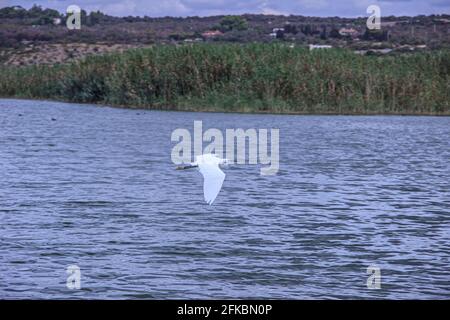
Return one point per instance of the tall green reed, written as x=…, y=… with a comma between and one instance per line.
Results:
x=251, y=78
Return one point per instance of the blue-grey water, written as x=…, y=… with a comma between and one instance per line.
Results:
x=95, y=187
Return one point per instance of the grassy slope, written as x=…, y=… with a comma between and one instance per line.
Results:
x=249, y=78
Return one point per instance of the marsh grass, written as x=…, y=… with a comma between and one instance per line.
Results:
x=244, y=78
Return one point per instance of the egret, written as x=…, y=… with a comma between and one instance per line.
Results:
x=213, y=176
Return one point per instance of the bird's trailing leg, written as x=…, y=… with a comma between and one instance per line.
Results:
x=189, y=166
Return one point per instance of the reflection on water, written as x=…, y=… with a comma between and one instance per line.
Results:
x=95, y=187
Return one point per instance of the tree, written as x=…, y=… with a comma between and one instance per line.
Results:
x=324, y=34
x=35, y=11
x=13, y=12
x=230, y=23
x=334, y=33
x=280, y=34
x=377, y=35
x=290, y=28
x=306, y=29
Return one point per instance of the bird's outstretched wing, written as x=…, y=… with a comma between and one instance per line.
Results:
x=213, y=179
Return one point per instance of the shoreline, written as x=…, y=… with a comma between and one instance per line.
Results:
x=117, y=106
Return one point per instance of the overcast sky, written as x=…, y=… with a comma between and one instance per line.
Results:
x=322, y=8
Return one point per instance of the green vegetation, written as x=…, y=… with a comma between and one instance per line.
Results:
x=35, y=15
x=230, y=23
x=249, y=78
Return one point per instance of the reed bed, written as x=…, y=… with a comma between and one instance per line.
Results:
x=244, y=78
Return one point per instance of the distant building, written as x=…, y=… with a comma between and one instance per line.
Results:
x=348, y=32
x=56, y=21
x=388, y=24
x=212, y=34
x=443, y=21
x=317, y=46
x=190, y=40
x=277, y=33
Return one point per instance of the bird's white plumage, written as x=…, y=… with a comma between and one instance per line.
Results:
x=213, y=177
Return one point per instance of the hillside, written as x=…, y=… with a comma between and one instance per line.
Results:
x=39, y=35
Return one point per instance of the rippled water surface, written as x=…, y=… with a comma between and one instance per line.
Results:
x=95, y=187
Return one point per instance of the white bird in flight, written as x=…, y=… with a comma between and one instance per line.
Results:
x=213, y=176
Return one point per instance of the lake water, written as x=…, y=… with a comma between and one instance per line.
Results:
x=95, y=187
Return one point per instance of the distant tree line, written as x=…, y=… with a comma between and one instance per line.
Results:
x=36, y=15
x=19, y=25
